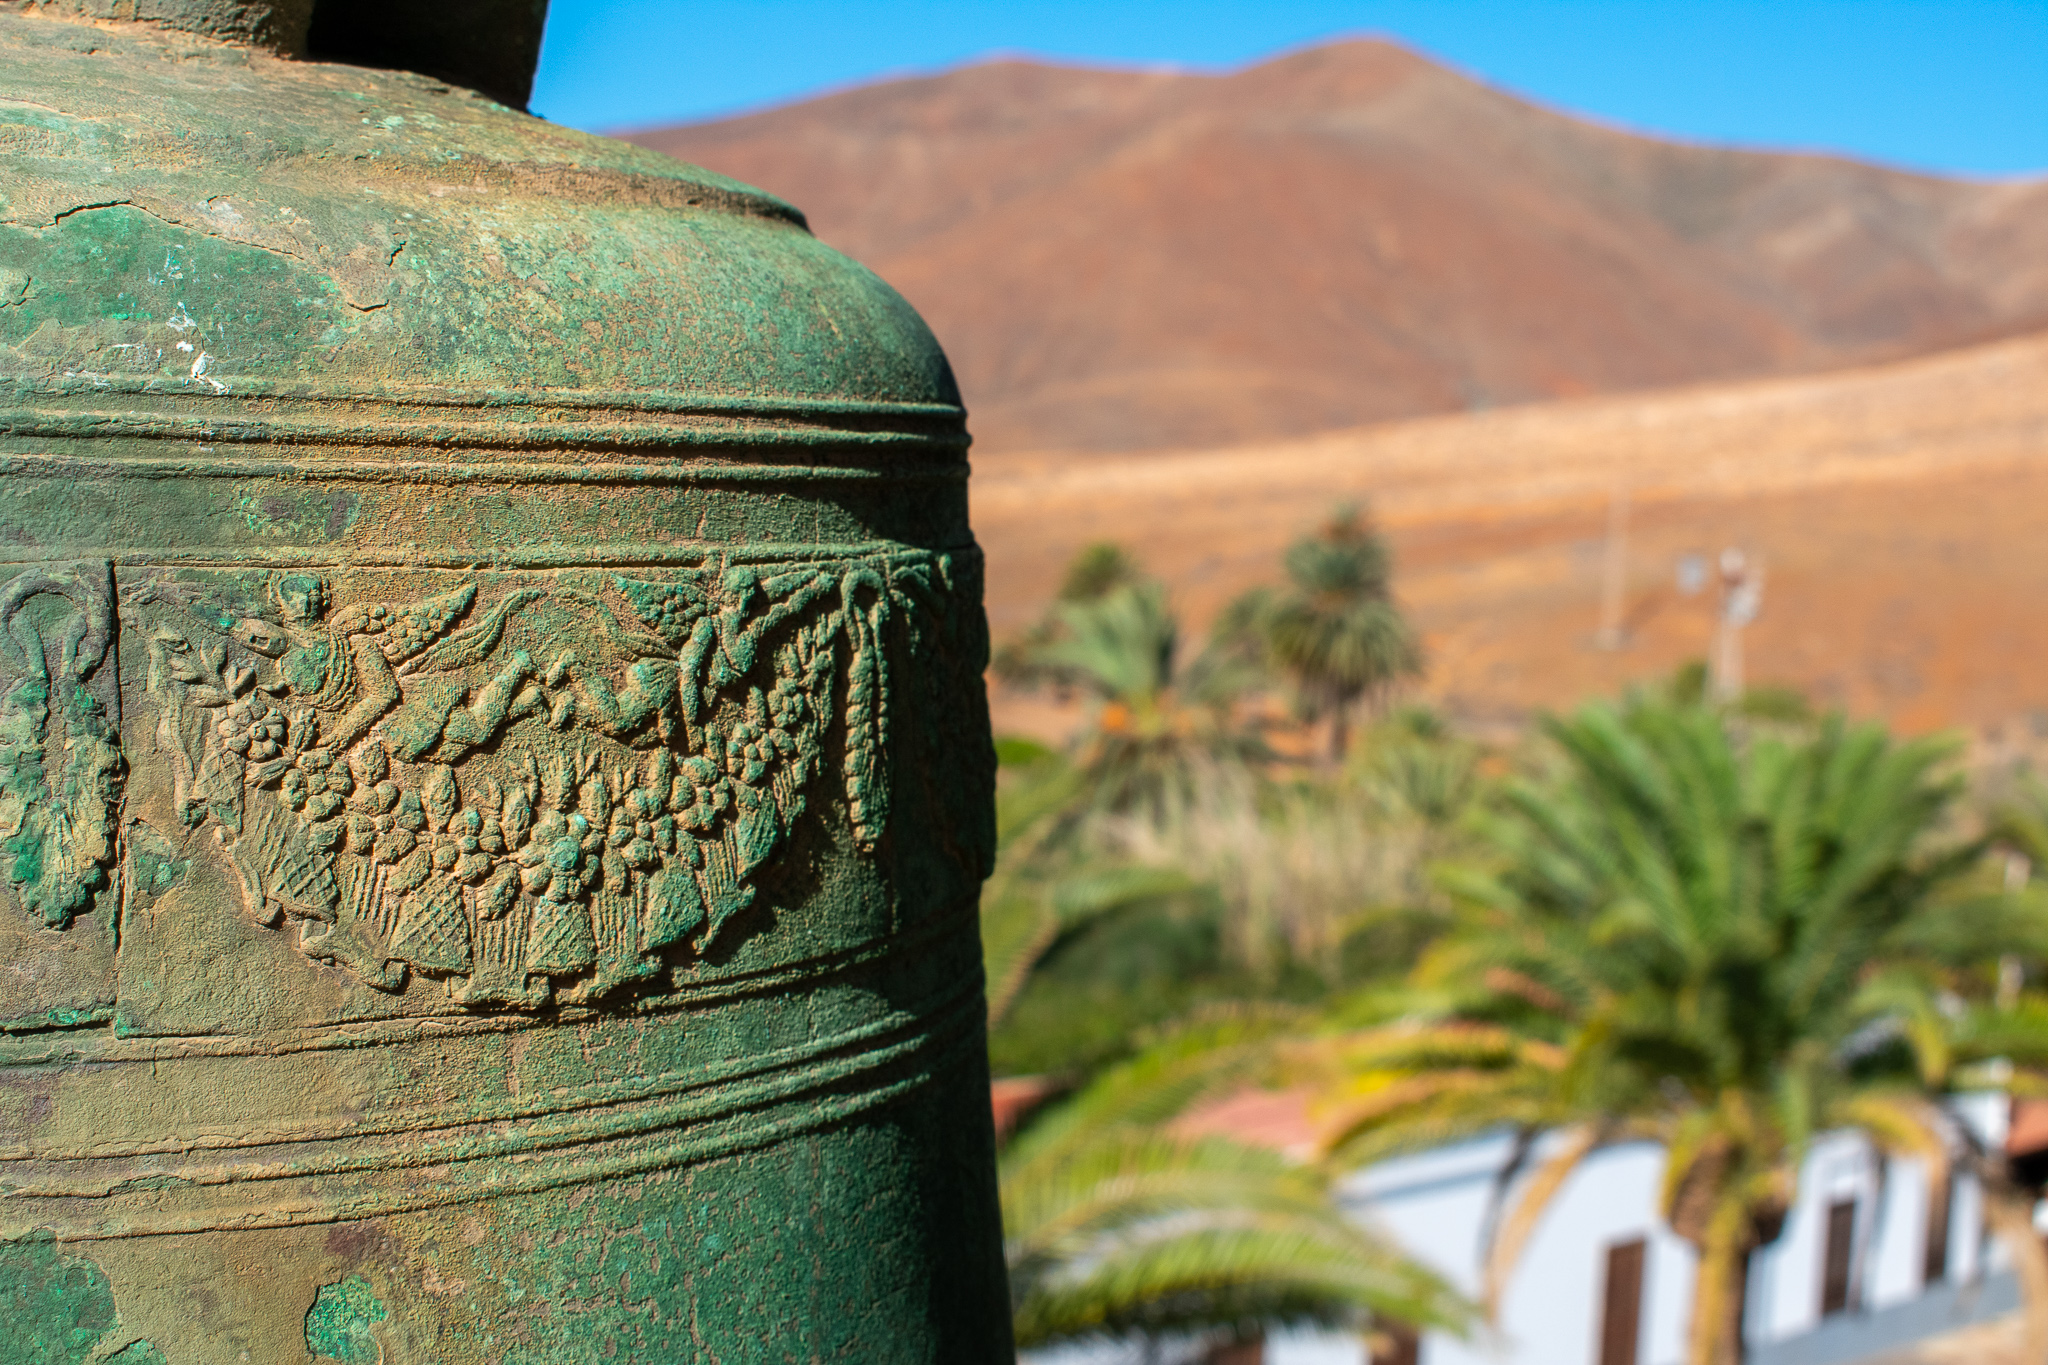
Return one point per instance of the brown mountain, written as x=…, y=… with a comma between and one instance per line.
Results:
x=1121, y=260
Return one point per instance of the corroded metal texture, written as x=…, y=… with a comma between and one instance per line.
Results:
x=494, y=777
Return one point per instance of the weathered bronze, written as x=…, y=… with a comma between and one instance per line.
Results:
x=494, y=774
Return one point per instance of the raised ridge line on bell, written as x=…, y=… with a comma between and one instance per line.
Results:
x=100, y=1044
x=913, y=1063
x=416, y=472
x=518, y=425
x=255, y=389
x=797, y=1066
x=519, y=422
x=682, y=554
x=239, y=429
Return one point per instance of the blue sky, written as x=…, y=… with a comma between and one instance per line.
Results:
x=1958, y=87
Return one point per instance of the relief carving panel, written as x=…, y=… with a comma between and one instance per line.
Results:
x=511, y=788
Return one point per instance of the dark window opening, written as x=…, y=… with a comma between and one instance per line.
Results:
x=1838, y=1257
x=1621, y=1303
x=1940, y=1198
x=1251, y=1351
x=1396, y=1344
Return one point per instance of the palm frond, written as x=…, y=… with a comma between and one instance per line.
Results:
x=1694, y=927
x=1545, y=1184
x=1242, y=1268
x=1204, y=1058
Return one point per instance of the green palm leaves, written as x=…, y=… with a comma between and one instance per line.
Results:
x=1141, y=1231
x=1119, y=645
x=1685, y=933
x=1163, y=725
x=1335, y=628
x=1114, y=1224
x=1112, y=635
x=1116, y=1221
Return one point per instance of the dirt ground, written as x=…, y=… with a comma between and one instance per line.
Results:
x=1899, y=513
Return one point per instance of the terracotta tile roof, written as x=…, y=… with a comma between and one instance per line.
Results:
x=1014, y=1097
x=2029, y=1130
x=1278, y=1119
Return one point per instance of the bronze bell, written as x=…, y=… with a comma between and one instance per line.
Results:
x=494, y=771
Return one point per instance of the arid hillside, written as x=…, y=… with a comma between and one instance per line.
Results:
x=1900, y=511
x=1123, y=260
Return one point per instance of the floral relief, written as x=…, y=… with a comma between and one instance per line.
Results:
x=417, y=798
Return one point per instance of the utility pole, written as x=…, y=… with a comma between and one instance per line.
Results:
x=1742, y=597
x=1614, y=574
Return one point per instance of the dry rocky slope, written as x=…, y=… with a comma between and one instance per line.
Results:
x=1898, y=510
x=1121, y=260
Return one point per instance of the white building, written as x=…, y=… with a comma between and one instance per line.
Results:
x=1604, y=1282
x=1866, y=1261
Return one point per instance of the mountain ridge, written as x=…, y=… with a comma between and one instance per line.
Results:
x=1352, y=233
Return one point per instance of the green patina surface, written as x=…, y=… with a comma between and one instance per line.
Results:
x=340, y=1322
x=56, y=1309
x=494, y=778
x=137, y=1353
x=374, y=227
x=53, y=1307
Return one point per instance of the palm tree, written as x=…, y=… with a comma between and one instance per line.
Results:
x=1097, y=570
x=1416, y=766
x=1687, y=934
x=1114, y=1223
x=1092, y=575
x=1335, y=628
x=1938, y=1047
x=1163, y=724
